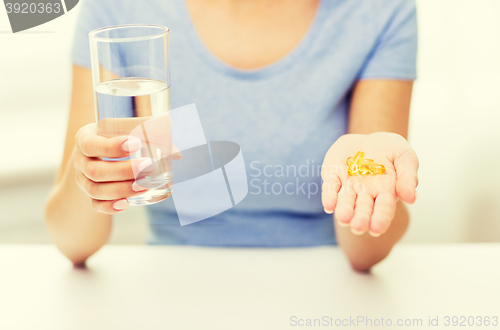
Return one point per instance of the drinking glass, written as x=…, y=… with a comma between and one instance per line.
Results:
x=130, y=72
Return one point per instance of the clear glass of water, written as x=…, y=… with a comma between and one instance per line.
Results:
x=130, y=72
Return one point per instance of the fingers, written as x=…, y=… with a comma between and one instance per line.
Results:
x=329, y=193
x=101, y=171
x=362, y=214
x=383, y=213
x=93, y=145
x=109, y=207
x=108, y=190
x=345, y=206
x=406, y=176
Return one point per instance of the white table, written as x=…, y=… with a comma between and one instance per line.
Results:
x=162, y=287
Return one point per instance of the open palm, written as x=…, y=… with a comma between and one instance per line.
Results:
x=368, y=202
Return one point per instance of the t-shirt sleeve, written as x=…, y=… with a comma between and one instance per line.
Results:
x=93, y=15
x=394, y=55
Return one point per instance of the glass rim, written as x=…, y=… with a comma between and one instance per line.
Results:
x=92, y=34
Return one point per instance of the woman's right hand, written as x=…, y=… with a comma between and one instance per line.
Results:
x=107, y=183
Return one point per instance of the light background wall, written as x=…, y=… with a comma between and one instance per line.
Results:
x=454, y=125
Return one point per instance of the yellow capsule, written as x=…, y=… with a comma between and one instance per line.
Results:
x=366, y=161
x=377, y=169
x=371, y=169
x=359, y=165
x=357, y=161
x=364, y=170
x=359, y=157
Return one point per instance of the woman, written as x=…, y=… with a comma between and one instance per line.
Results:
x=290, y=81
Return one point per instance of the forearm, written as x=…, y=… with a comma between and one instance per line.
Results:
x=364, y=251
x=76, y=229
x=377, y=106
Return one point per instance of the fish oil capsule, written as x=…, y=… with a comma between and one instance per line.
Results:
x=359, y=165
x=357, y=161
x=366, y=161
x=376, y=169
x=364, y=170
x=371, y=169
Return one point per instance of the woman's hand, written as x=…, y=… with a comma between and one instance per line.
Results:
x=368, y=203
x=108, y=183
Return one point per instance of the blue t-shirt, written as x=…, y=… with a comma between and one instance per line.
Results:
x=284, y=116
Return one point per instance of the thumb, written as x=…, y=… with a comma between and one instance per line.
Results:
x=406, y=165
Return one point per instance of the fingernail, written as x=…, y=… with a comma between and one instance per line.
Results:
x=374, y=234
x=328, y=211
x=143, y=164
x=342, y=224
x=137, y=188
x=122, y=204
x=357, y=232
x=177, y=152
x=132, y=145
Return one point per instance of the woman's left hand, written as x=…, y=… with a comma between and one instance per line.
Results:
x=368, y=202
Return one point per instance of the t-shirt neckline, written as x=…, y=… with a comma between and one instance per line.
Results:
x=286, y=61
